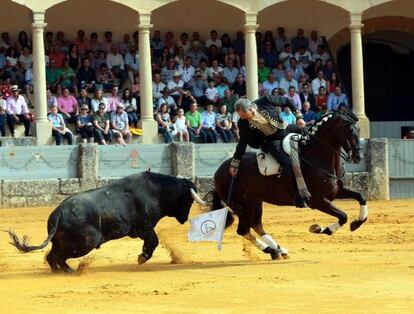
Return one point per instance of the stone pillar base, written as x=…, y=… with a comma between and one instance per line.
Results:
x=43, y=132
x=364, y=127
x=149, y=130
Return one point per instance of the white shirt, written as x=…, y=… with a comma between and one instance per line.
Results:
x=270, y=86
x=304, y=59
x=114, y=60
x=212, y=93
x=187, y=74
x=313, y=45
x=17, y=106
x=157, y=89
x=323, y=57
x=132, y=60
x=216, y=42
x=285, y=58
x=316, y=84
x=3, y=104
x=172, y=84
x=166, y=100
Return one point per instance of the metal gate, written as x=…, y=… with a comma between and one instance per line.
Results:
x=401, y=168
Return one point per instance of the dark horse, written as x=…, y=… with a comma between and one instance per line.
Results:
x=322, y=170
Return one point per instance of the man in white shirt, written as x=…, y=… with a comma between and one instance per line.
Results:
x=314, y=42
x=157, y=86
x=184, y=42
x=17, y=111
x=213, y=40
x=132, y=63
x=304, y=57
x=270, y=84
x=115, y=63
x=321, y=54
x=188, y=70
x=285, y=55
x=175, y=86
x=288, y=81
x=318, y=82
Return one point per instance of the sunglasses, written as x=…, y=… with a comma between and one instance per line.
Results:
x=101, y=108
x=84, y=109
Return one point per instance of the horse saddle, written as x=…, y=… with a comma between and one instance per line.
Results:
x=268, y=165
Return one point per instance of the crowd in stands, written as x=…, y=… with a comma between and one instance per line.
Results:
x=94, y=85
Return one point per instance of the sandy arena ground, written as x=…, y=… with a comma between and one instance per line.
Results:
x=370, y=270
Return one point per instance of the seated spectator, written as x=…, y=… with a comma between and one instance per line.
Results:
x=170, y=69
x=99, y=98
x=270, y=84
x=318, y=82
x=268, y=54
x=99, y=60
x=81, y=42
x=314, y=42
x=306, y=95
x=59, y=129
x=300, y=41
x=294, y=97
x=84, y=99
x=239, y=86
x=321, y=102
x=175, y=86
x=86, y=76
x=295, y=68
x=285, y=55
x=157, y=44
x=181, y=126
x=336, y=99
x=309, y=116
x=194, y=122
x=229, y=100
x=231, y=55
x=68, y=77
x=85, y=125
x=222, y=87
x=157, y=87
x=26, y=59
x=304, y=57
x=215, y=54
x=203, y=69
x=213, y=40
x=115, y=63
x=132, y=63
x=49, y=42
x=321, y=54
x=53, y=76
x=223, y=124
x=124, y=45
x=61, y=43
x=130, y=104
x=169, y=43
x=288, y=81
x=166, y=99
x=198, y=87
x=94, y=44
x=120, y=125
x=287, y=116
x=102, y=132
x=74, y=58
x=239, y=44
x=328, y=69
x=196, y=54
x=164, y=123
x=67, y=106
x=333, y=82
x=184, y=101
x=51, y=99
x=187, y=71
x=56, y=56
x=209, y=125
x=263, y=71
x=230, y=72
x=313, y=69
x=114, y=99
x=214, y=71
x=184, y=43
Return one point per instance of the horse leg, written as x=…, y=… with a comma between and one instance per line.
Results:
x=363, y=207
x=327, y=207
x=267, y=238
x=274, y=253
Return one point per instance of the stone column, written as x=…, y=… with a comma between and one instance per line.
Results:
x=147, y=122
x=377, y=166
x=250, y=28
x=42, y=127
x=357, y=68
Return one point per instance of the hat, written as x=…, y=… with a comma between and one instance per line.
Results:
x=196, y=43
x=176, y=73
x=120, y=105
x=15, y=88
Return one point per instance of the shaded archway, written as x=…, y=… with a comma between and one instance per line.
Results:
x=21, y=20
x=189, y=16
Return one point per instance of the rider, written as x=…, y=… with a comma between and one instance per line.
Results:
x=261, y=126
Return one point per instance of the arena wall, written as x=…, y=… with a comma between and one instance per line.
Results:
x=45, y=175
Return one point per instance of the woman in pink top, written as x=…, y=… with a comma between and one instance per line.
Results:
x=67, y=106
x=114, y=99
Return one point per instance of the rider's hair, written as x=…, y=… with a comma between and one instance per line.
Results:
x=242, y=104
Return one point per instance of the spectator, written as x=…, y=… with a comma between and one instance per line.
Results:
x=294, y=97
x=213, y=40
x=107, y=44
x=229, y=100
x=68, y=77
x=303, y=79
x=285, y=55
x=56, y=56
x=59, y=129
x=181, y=126
x=296, y=69
x=198, y=87
x=288, y=81
x=306, y=95
x=26, y=59
x=328, y=69
x=184, y=43
x=164, y=123
x=223, y=124
x=231, y=55
x=98, y=99
x=131, y=108
x=124, y=45
x=85, y=125
x=270, y=84
x=314, y=42
x=226, y=45
x=86, y=76
x=230, y=72
x=114, y=99
x=268, y=54
x=309, y=116
x=212, y=93
x=222, y=87
x=157, y=44
x=209, y=125
x=300, y=40
x=187, y=71
x=336, y=99
x=203, y=69
x=304, y=57
x=321, y=54
x=239, y=86
x=194, y=122
x=239, y=44
x=50, y=99
x=287, y=116
x=166, y=99
x=120, y=125
x=84, y=99
x=48, y=41
x=214, y=71
x=94, y=44
x=74, y=57
x=332, y=83
x=184, y=101
x=279, y=71
x=99, y=60
x=321, y=101
x=196, y=54
x=313, y=69
x=263, y=71
x=61, y=43
x=175, y=86
x=169, y=43
x=318, y=82
x=67, y=106
x=102, y=132
x=170, y=69
x=115, y=62
x=81, y=42
x=132, y=63
x=281, y=40
x=104, y=78
x=157, y=87
x=215, y=54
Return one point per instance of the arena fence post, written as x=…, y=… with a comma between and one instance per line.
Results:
x=88, y=166
x=183, y=160
x=377, y=166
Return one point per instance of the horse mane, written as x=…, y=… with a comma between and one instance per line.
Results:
x=321, y=122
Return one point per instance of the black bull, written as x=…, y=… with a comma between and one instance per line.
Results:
x=130, y=207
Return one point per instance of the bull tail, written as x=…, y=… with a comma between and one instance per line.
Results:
x=218, y=204
x=23, y=244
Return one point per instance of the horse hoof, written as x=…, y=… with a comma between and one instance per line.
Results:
x=356, y=224
x=274, y=254
x=315, y=228
x=141, y=259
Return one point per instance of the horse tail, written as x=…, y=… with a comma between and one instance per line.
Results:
x=23, y=245
x=218, y=204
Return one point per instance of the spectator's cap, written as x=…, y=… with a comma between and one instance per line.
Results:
x=176, y=73
x=186, y=86
x=120, y=105
x=196, y=43
x=15, y=88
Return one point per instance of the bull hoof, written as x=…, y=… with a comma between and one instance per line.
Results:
x=274, y=254
x=141, y=259
x=356, y=224
x=315, y=228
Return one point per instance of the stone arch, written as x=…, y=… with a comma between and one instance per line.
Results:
x=21, y=18
x=242, y=5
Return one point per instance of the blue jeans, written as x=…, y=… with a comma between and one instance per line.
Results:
x=166, y=133
x=225, y=134
x=132, y=118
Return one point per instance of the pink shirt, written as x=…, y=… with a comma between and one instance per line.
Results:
x=67, y=104
x=113, y=101
x=16, y=106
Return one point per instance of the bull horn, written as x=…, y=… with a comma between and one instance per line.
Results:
x=197, y=197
